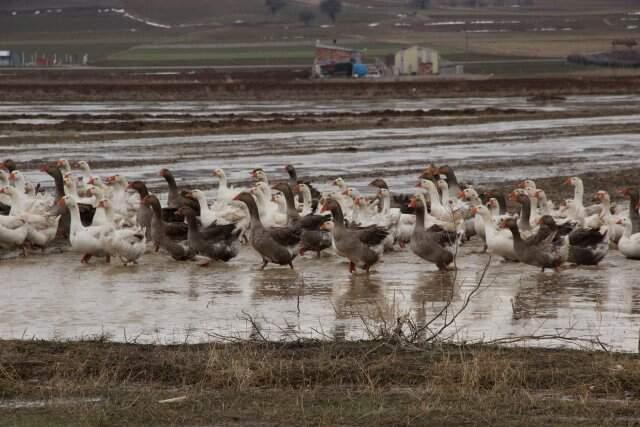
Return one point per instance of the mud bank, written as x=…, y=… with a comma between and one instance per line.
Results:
x=198, y=89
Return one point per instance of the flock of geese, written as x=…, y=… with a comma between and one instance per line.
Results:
x=113, y=217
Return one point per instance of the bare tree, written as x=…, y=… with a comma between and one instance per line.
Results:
x=275, y=6
x=331, y=8
x=306, y=16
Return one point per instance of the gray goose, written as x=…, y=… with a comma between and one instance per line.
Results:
x=363, y=246
x=144, y=213
x=278, y=245
x=217, y=242
x=165, y=235
x=175, y=198
x=313, y=237
x=540, y=252
x=434, y=244
x=294, y=181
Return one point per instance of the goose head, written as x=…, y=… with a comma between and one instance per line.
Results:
x=442, y=185
x=291, y=170
x=510, y=223
x=468, y=194
x=574, y=181
x=339, y=182
x=84, y=166
x=68, y=201
x=9, y=165
x=527, y=183
x=602, y=196
x=379, y=182
x=217, y=172
x=481, y=210
x=259, y=175
x=64, y=165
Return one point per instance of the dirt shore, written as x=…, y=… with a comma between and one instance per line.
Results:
x=375, y=383
x=124, y=86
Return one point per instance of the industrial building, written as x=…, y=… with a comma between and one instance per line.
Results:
x=416, y=61
x=334, y=60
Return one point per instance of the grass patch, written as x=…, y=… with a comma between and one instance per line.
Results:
x=315, y=383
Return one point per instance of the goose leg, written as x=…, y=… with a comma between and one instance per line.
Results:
x=85, y=259
x=264, y=264
x=291, y=265
x=352, y=267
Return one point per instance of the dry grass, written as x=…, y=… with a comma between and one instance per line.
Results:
x=319, y=383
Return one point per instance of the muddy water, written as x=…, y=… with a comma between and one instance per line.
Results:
x=53, y=296
x=165, y=301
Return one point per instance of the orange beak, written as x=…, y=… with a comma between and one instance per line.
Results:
x=324, y=208
x=61, y=202
x=412, y=202
x=474, y=210
x=567, y=181
x=461, y=195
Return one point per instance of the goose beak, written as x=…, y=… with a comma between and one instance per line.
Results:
x=474, y=210
x=324, y=209
x=61, y=202
x=461, y=195
x=567, y=181
x=419, y=184
x=12, y=176
x=412, y=202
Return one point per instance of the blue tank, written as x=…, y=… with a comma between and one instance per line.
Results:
x=360, y=70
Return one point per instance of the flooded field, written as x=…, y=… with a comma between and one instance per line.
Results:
x=165, y=301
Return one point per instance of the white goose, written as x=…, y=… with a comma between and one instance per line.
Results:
x=629, y=244
x=268, y=210
x=616, y=230
x=86, y=240
x=225, y=192
x=307, y=200
x=128, y=244
x=13, y=232
x=437, y=209
x=499, y=240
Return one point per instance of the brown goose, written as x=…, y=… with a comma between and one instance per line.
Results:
x=545, y=254
x=217, y=242
x=434, y=244
x=362, y=246
x=313, y=237
x=164, y=235
x=175, y=198
x=278, y=245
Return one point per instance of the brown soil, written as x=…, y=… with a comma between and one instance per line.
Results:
x=127, y=88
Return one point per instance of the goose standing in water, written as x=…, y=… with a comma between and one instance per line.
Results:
x=363, y=247
x=433, y=244
x=278, y=245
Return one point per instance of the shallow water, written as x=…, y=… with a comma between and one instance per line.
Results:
x=322, y=106
x=53, y=296
x=160, y=300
